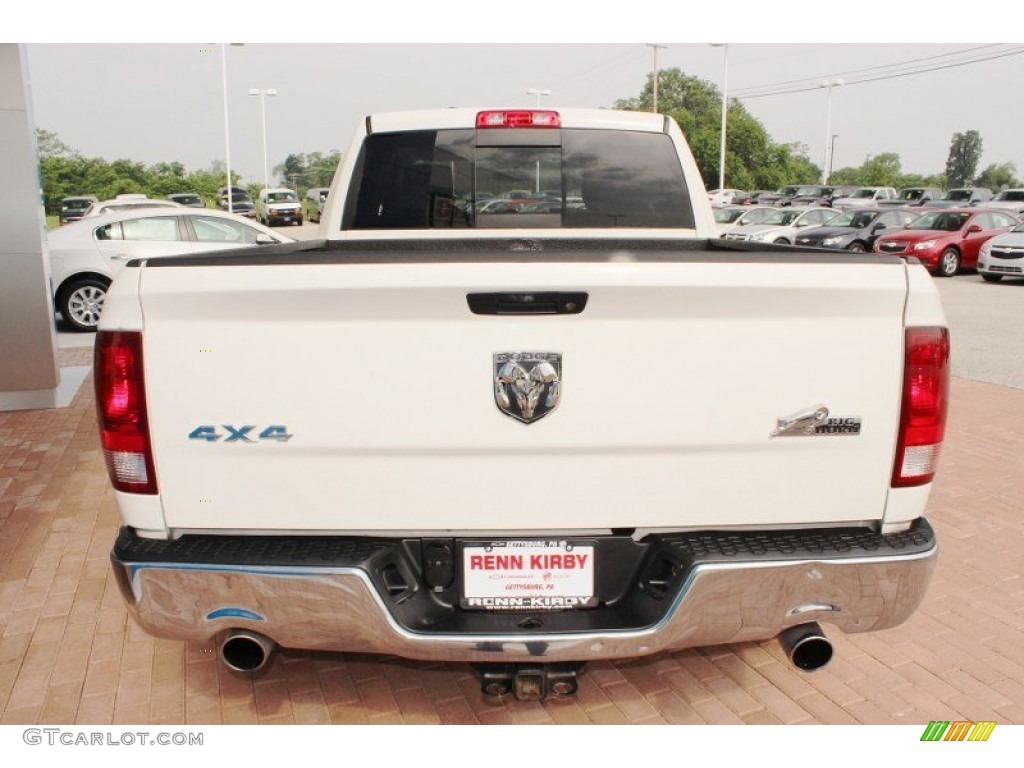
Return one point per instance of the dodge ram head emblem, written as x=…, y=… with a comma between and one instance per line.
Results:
x=527, y=385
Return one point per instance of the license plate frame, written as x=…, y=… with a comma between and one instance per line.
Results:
x=527, y=574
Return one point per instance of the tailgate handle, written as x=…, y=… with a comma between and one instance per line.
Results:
x=527, y=303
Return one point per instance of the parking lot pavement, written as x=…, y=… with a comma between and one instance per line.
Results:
x=984, y=319
x=69, y=654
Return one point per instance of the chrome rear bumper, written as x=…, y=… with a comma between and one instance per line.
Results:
x=340, y=609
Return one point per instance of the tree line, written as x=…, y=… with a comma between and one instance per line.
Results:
x=752, y=159
x=66, y=173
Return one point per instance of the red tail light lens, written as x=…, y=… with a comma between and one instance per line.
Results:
x=519, y=118
x=925, y=403
x=121, y=411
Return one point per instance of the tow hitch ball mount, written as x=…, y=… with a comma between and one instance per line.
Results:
x=529, y=682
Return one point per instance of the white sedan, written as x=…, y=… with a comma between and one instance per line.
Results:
x=721, y=197
x=87, y=254
x=781, y=225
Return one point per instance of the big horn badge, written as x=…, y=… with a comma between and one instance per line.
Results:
x=527, y=385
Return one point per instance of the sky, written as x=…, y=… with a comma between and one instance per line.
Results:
x=109, y=92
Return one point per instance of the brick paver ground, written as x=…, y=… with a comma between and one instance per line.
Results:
x=70, y=655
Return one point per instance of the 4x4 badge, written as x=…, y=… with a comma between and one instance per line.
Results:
x=527, y=385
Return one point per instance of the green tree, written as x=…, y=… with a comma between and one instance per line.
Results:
x=881, y=170
x=998, y=176
x=302, y=171
x=64, y=173
x=48, y=144
x=850, y=176
x=752, y=160
x=937, y=180
x=206, y=182
x=964, y=155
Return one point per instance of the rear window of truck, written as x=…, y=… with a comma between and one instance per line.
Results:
x=563, y=178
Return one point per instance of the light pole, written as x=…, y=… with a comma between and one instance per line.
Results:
x=538, y=92
x=725, y=110
x=263, y=93
x=828, y=85
x=227, y=133
x=655, y=47
x=831, y=155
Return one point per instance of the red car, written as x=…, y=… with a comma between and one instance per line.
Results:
x=947, y=240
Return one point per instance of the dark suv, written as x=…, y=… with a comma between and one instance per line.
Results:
x=241, y=203
x=961, y=196
x=72, y=208
x=819, y=195
x=781, y=196
x=188, y=199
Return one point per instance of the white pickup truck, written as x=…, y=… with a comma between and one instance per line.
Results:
x=520, y=407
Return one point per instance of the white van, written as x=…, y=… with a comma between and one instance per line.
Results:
x=278, y=206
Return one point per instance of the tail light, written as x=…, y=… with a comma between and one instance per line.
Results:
x=518, y=118
x=121, y=411
x=925, y=403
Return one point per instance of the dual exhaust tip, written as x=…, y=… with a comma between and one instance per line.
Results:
x=805, y=645
x=244, y=651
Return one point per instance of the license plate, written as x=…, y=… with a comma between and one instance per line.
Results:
x=528, y=575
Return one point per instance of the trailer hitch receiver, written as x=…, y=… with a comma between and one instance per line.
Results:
x=529, y=682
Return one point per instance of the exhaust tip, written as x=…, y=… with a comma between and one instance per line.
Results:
x=245, y=651
x=806, y=646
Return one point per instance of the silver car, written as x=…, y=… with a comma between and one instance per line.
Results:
x=1002, y=256
x=733, y=216
x=862, y=197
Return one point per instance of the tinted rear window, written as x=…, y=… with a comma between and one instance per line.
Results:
x=457, y=179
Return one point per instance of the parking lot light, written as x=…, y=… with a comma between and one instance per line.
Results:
x=828, y=85
x=263, y=93
x=725, y=110
x=227, y=132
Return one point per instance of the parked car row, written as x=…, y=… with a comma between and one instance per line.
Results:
x=945, y=240
x=274, y=206
x=846, y=197
x=87, y=254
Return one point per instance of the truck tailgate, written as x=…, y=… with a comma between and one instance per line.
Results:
x=361, y=397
